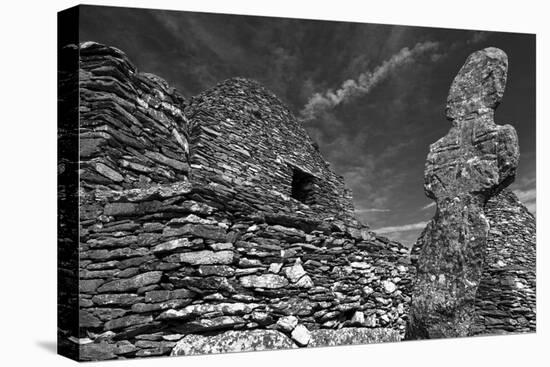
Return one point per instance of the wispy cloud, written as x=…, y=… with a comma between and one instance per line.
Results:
x=351, y=88
x=428, y=206
x=401, y=228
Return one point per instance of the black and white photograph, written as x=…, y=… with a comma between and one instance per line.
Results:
x=235, y=183
x=274, y=183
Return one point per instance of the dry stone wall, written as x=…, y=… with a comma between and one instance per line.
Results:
x=132, y=129
x=506, y=297
x=148, y=280
x=174, y=248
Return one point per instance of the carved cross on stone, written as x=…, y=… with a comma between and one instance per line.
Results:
x=474, y=161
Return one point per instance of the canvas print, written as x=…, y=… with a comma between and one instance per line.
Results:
x=232, y=183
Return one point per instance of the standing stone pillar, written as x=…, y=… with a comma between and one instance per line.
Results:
x=474, y=161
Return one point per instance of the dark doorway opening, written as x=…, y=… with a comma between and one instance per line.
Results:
x=303, y=186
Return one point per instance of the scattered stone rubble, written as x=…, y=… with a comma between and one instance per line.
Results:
x=458, y=269
x=186, y=245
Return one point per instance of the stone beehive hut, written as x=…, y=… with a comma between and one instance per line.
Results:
x=242, y=136
x=207, y=224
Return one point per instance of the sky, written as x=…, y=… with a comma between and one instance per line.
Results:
x=371, y=95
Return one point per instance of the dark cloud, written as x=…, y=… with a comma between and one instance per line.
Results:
x=387, y=112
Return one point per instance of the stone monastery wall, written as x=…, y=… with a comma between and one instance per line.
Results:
x=184, y=233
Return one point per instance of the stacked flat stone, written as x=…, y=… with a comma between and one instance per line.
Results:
x=67, y=200
x=132, y=129
x=148, y=279
x=464, y=169
x=175, y=247
x=506, y=297
x=245, y=144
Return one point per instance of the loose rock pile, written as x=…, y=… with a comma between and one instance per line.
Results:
x=184, y=242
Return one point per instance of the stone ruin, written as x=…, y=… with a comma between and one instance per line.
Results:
x=213, y=224
x=454, y=287
x=208, y=220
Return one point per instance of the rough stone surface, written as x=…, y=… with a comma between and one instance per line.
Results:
x=327, y=337
x=263, y=281
x=97, y=352
x=218, y=308
x=287, y=323
x=473, y=162
x=233, y=341
x=123, y=285
x=202, y=257
x=125, y=321
x=389, y=286
x=358, y=318
x=301, y=335
x=479, y=86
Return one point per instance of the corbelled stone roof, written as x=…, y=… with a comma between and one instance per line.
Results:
x=243, y=136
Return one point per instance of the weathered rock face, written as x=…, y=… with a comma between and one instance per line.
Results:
x=506, y=296
x=233, y=341
x=325, y=337
x=179, y=240
x=475, y=160
x=479, y=86
x=255, y=340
